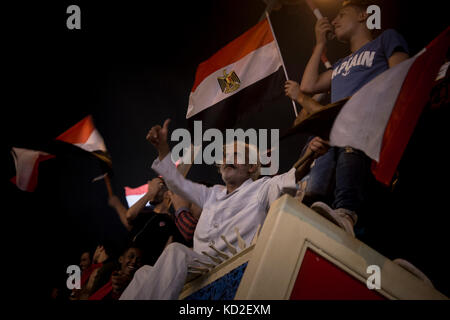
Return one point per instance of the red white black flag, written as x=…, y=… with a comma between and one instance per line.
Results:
x=237, y=79
x=380, y=118
x=27, y=164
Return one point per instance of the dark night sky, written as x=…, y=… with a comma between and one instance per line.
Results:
x=131, y=66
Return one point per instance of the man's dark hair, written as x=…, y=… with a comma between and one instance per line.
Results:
x=362, y=5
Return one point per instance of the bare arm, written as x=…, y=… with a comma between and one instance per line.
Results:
x=293, y=91
x=176, y=182
x=153, y=188
x=316, y=148
x=121, y=210
x=312, y=81
x=396, y=58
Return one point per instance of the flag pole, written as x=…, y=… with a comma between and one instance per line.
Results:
x=281, y=58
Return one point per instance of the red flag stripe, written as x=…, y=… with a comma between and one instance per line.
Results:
x=34, y=176
x=79, y=133
x=136, y=191
x=412, y=99
x=27, y=182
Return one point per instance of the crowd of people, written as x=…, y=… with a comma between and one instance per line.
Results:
x=186, y=218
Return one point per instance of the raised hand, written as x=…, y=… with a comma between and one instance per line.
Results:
x=157, y=136
x=322, y=28
x=292, y=89
x=318, y=146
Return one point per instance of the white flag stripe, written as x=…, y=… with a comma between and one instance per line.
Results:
x=24, y=160
x=93, y=143
x=253, y=67
x=132, y=199
x=363, y=120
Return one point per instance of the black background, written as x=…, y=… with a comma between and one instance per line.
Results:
x=131, y=66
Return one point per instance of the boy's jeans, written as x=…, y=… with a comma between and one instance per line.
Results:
x=342, y=170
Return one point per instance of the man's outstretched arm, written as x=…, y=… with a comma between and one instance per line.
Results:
x=163, y=165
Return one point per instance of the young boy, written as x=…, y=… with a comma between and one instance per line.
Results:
x=345, y=169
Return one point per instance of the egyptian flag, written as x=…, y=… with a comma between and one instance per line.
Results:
x=238, y=79
x=27, y=163
x=85, y=136
x=380, y=118
x=132, y=195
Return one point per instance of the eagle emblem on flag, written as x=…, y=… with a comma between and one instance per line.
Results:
x=229, y=82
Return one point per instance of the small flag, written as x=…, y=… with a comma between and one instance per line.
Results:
x=27, y=164
x=84, y=135
x=132, y=195
x=380, y=118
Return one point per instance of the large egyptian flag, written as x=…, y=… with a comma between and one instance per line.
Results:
x=380, y=118
x=27, y=164
x=237, y=79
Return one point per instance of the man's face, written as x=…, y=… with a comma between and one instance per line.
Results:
x=238, y=171
x=85, y=261
x=130, y=261
x=346, y=22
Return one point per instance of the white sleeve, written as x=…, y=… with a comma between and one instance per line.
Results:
x=271, y=190
x=193, y=192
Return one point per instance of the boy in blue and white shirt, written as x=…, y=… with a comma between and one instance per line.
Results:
x=344, y=170
x=354, y=71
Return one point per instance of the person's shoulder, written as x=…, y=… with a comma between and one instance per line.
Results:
x=147, y=211
x=144, y=215
x=389, y=33
x=266, y=179
x=393, y=41
x=338, y=62
x=218, y=187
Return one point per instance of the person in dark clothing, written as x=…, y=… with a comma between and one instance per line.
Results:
x=152, y=228
x=121, y=275
x=102, y=259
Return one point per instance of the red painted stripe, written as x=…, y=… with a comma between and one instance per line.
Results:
x=413, y=97
x=319, y=279
x=79, y=133
x=258, y=36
